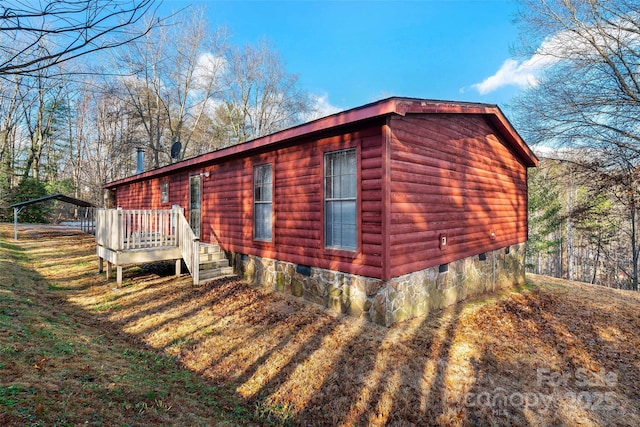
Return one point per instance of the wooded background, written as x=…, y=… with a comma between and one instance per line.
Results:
x=583, y=113
x=83, y=84
x=69, y=124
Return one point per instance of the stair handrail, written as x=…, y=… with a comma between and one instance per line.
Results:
x=188, y=243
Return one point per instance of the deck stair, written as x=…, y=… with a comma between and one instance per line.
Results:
x=139, y=236
x=213, y=263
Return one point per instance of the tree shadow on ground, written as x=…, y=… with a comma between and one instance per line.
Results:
x=474, y=363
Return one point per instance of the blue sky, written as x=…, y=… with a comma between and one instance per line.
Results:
x=350, y=53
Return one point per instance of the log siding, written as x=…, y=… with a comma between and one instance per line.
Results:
x=425, y=169
x=298, y=203
x=452, y=177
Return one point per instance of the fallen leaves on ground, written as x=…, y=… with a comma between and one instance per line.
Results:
x=551, y=353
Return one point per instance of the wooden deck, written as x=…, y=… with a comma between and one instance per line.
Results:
x=126, y=237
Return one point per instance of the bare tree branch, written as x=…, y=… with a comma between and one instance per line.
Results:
x=38, y=34
x=588, y=100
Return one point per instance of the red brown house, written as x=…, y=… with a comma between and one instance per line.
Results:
x=384, y=211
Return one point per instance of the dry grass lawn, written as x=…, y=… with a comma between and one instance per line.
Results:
x=551, y=353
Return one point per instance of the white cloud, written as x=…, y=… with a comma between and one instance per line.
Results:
x=511, y=73
x=322, y=107
x=562, y=45
x=523, y=73
x=208, y=69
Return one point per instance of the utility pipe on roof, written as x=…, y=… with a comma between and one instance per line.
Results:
x=139, y=160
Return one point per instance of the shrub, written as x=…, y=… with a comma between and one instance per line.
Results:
x=27, y=189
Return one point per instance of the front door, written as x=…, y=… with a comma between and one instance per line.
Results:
x=195, y=196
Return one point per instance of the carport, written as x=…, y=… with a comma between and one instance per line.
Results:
x=86, y=220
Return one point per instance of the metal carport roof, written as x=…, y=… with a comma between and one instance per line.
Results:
x=17, y=207
x=59, y=196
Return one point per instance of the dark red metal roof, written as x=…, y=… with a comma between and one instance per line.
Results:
x=61, y=197
x=394, y=105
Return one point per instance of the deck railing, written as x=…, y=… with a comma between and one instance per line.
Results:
x=189, y=245
x=120, y=230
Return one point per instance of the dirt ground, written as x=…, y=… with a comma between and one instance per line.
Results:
x=551, y=353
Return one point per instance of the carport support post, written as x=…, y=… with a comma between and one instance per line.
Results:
x=16, y=211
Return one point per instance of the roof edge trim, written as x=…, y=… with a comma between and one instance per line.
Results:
x=385, y=107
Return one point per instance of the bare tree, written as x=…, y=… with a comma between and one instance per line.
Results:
x=39, y=34
x=184, y=83
x=262, y=97
x=10, y=113
x=40, y=103
x=103, y=140
x=173, y=82
x=142, y=92
x=589, y=98
x=193, y=77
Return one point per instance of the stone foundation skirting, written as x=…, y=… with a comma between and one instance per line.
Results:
x=400, y=298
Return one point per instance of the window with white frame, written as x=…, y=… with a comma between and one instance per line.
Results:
x=262, y=202
x=164, y=192
x=340, y=195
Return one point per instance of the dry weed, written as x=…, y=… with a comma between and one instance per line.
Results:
x=551, y=353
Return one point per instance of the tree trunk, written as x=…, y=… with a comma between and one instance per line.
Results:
x=570, y=243
x=634, y=248
x=597, y=259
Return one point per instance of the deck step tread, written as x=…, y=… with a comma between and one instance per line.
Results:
x=210, y=249
x=216, y=263
x=215, y=273
x=226, y=276
x=212, y=257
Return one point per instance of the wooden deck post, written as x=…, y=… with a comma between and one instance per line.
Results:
x=196, y=261
x=178, y=267
x=119, y=275
x=100, y=265
x=109, y=267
